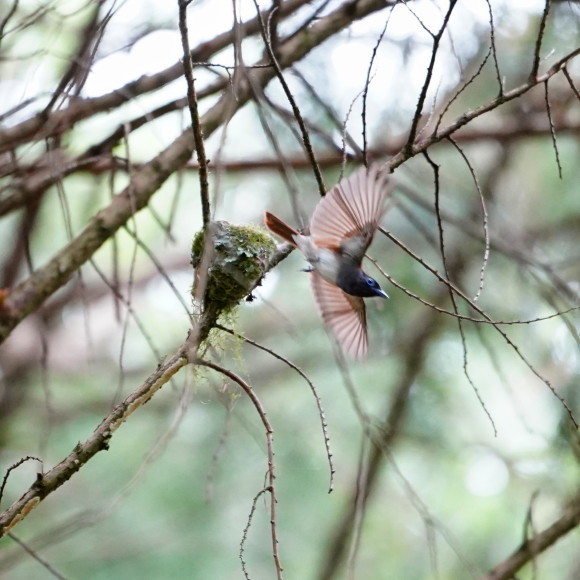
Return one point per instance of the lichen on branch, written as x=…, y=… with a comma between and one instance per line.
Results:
x=227, y=267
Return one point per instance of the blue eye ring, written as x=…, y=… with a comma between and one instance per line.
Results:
x=371, y=282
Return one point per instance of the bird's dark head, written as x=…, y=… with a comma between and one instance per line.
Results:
x=372, y=287
x=357, y=283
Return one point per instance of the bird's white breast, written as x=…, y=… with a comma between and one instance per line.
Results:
x=324, y=260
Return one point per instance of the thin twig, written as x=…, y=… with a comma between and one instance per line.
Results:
x=463, y=88
x=489, y=320
x=9, y=14
x=194, y=112
x=344, y=154
x=486, y=316
x=14, y=466
x=271, y=488
x=571, y=82
x=440, y=229
x=292, y=101
x=366, y=88
x=484, y=219
x=48, y=567
x=539, y=38
x=541, y=541
x=494, y=49
x=360, y=508
x=50, y=481
x=423, y=94
x=552, y=128
x=247, y=530
x=317, y=398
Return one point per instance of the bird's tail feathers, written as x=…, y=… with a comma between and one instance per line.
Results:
x=281, y=229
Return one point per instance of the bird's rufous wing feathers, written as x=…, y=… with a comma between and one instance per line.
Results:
x=344, y=315
x=355, y=206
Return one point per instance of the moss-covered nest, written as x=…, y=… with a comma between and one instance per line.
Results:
x=237, y=258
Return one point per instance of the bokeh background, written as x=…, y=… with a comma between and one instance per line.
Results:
x=451, y=444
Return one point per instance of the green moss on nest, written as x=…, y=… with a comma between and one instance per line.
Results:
x=239, y=256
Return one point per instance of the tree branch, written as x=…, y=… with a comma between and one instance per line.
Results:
x=539, y=543
x=194, y=113
x=46, y=483
x=31, y=293
x=41, y=126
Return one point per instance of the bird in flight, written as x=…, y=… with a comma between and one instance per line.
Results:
x=341, y=229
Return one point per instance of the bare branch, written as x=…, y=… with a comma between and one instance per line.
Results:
x=366, y=89
x=266, y=35
x=48, y=567
x=484, y=220
x=321, y=413
x=194, y=113
x=409, y=147
x=80, y=62
x=28, y=295
x=39, y=127
x=473, y=305
x=47, y=483
x=466, y=118
x=552, y=128
x=271, y=488
x=493, y=48
x=9, y=14
x=539, y=543
x=540, y=37
x=440, y=229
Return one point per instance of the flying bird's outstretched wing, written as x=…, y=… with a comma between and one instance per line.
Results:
x=348, y=215
x=344, y=315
